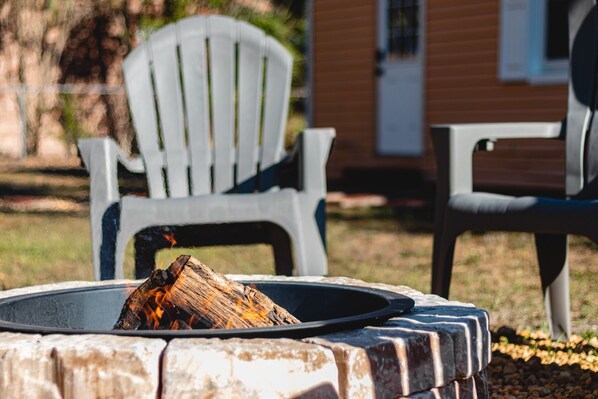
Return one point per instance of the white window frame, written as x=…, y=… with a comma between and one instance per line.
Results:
x=522, y=45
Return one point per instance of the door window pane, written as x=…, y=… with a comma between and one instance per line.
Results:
x=403, y=26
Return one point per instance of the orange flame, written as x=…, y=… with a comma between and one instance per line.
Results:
x=154, y=308
x=170, y=238
x=253, y=313
x=160, y=313
x=192, y=320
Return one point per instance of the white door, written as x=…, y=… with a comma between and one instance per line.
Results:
x=400, y=83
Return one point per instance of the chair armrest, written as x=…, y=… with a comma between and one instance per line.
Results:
x=100, y=156
x=454, y=145
x=108, y=145
x=310, y=152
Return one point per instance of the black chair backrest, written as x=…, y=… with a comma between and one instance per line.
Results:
x=581, y=126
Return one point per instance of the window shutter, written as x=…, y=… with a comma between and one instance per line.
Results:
x=514, y=39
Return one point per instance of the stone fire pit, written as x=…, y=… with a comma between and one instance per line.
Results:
x=439, y=349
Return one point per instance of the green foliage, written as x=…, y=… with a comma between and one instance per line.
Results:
x=288, y=30
x=279, y=23
x=73, y=130
x=588, y=335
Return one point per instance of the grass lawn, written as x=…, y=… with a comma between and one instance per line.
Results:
x=495, y=271
x=45, y=237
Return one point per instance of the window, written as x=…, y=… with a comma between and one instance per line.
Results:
x=403, y=26
x=534, y=41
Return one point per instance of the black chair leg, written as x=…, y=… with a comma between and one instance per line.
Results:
x=147, y=243
x=281, y=247
x=145, y=259
x=442, y=262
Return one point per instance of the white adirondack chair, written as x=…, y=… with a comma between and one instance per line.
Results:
x=209, y=100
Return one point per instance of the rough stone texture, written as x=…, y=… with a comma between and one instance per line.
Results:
x=248, y=368
x=437, y=342
x=26, y=368
x=472, y=387
x=440, y=349
x=78, y=366
x=105, y=366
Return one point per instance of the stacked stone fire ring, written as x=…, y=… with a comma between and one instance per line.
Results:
x=438, y=348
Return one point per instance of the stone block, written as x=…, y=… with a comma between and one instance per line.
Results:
x=465, y=327
x=474, y=387
x=248, y=368
x=105, y=366
x=26, y=368
x=427, y=348
x=78, y=366
x=380, y=362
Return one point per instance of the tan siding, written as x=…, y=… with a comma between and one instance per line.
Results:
x=461, y=86
x=462, y=69
x=344, y=36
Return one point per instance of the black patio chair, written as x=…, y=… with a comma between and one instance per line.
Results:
x=459, y=208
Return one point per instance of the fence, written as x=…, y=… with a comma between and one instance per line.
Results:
x=85, y=110
x=25, y=94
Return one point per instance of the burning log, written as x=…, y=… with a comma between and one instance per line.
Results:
x=189, y=295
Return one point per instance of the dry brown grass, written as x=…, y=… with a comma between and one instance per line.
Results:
x=495, y=271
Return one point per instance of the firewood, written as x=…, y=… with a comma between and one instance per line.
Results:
x=136, y=307
x=189, y=294
x=180, y=325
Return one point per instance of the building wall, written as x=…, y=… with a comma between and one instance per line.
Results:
x=343, y=78
x=461, y=86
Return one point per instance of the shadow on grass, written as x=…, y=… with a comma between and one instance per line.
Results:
x=71, y=183
x=409, y=219
x=410, y=206
x=61, y=171
x=28, y=191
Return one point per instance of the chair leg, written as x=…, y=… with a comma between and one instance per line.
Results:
x=148, y=242
x=145, y=257
x=554, y=274
x=126, y=232
x=442, y=260
x=96, y=244
x=315, y=262
x=281, y=247
x=104, y=241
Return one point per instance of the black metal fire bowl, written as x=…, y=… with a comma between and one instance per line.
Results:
x=322, y=308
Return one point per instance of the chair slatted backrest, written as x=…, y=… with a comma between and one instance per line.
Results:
x=209, y=102
x=582, y=125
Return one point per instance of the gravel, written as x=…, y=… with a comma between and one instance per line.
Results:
x=530, y=365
